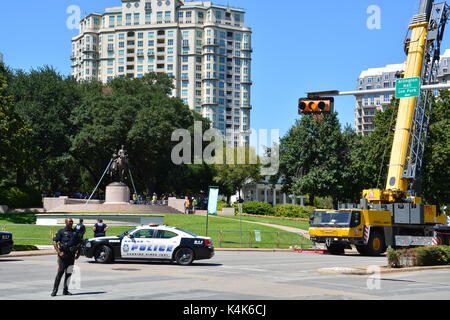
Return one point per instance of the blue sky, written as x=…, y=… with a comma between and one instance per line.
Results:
x=299, y=46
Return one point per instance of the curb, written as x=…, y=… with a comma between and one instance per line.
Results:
x=34, y=253
x=31, y=253
x=367, y=271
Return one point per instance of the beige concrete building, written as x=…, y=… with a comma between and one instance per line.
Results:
x=206, y=47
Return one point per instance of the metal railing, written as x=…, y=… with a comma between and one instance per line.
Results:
x=221, y=238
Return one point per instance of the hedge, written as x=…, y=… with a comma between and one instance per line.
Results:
x=423, y=256
x=293, y=211
x=222, y=204
x=258, y=208
x=280, y=210
x=23, y=197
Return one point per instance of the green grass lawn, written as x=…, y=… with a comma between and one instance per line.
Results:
x=225, y=233
x=299, y=224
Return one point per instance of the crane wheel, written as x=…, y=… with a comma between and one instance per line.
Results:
x=376, y=245
x=336, y=249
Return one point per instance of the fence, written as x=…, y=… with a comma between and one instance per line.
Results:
x=42, y=235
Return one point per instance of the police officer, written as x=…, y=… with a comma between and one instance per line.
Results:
x=67, y=245
x=100, y=229
x=81, y=229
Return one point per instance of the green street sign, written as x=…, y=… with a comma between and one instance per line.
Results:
x=408, y=88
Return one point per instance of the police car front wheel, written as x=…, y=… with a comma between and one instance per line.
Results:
x=103, y=254
x=184, y=256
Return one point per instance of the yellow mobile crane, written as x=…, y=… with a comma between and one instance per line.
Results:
x=395, y=217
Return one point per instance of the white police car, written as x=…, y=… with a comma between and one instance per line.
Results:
x=150, y=242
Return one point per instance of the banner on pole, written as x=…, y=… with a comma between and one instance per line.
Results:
x=212, y=200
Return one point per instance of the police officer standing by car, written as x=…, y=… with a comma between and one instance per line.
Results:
x=100, y=229
x=81, y=229
x=67, y=245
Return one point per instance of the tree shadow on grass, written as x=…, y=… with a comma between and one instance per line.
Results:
x=19, y=218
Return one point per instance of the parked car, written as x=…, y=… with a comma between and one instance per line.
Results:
x=6, y=242
x=152, y=242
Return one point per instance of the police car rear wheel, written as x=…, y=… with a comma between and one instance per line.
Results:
x=184, y=256
x=103, y=254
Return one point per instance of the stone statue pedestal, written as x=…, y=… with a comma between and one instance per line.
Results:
x=117, y=193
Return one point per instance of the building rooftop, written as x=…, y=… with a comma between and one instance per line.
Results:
x=379, y=71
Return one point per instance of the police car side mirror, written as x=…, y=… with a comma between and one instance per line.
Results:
x=131, y=236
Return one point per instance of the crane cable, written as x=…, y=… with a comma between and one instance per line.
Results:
x=386, y=147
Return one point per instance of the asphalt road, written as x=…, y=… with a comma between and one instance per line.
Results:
x=228, y=276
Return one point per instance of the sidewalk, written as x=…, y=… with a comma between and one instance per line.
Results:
x=303, y=233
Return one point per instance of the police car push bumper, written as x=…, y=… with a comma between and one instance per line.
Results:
x=161, y=242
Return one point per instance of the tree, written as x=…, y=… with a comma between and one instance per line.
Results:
x=44, y=101
x=15, y=146
x=314, y=157
x=436, y=173
x=139, y=114
x=371, y=154
x=239, y=166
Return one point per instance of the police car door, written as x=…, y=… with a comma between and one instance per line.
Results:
x=138, y=244
x=166, y=241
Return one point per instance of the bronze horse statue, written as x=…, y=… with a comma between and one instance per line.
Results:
x=119, y=165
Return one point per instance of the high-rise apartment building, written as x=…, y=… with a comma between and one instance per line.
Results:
x=205, y=47
x=367, y=105
x=377, y=78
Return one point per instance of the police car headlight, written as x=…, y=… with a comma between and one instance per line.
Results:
x=88, y=245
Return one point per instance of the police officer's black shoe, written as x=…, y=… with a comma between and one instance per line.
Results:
x=67, y=293
x=54, y=293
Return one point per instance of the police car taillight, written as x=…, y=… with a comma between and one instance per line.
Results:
x=207, y=242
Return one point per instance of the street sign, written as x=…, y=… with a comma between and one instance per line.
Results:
x=407, y=88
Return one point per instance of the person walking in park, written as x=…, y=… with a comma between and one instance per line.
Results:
x=187, y=205
x=67, y=244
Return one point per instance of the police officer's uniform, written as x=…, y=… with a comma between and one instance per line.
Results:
x=69, y=243
x=81, y=229
x=99, y=231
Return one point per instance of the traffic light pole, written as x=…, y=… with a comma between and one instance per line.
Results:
x=337, y=93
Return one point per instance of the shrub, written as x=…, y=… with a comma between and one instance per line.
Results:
x=222, y=204
x=24, y=197
x=258, y=208
x=394, y=259
x=432, y=256
x=293, y=211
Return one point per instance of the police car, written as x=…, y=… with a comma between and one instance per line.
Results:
x=6, y=242
x=150, y=242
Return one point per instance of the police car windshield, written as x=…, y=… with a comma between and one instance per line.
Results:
x=190, y=233
x=129, y=232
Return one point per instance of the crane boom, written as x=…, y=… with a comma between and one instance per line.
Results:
x=413, y=68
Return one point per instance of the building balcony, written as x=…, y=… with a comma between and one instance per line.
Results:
x=88, y=49
x=211, y=42
x=210, y=77
x=210, y=103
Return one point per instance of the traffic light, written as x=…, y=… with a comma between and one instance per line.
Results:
x=316, y=106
